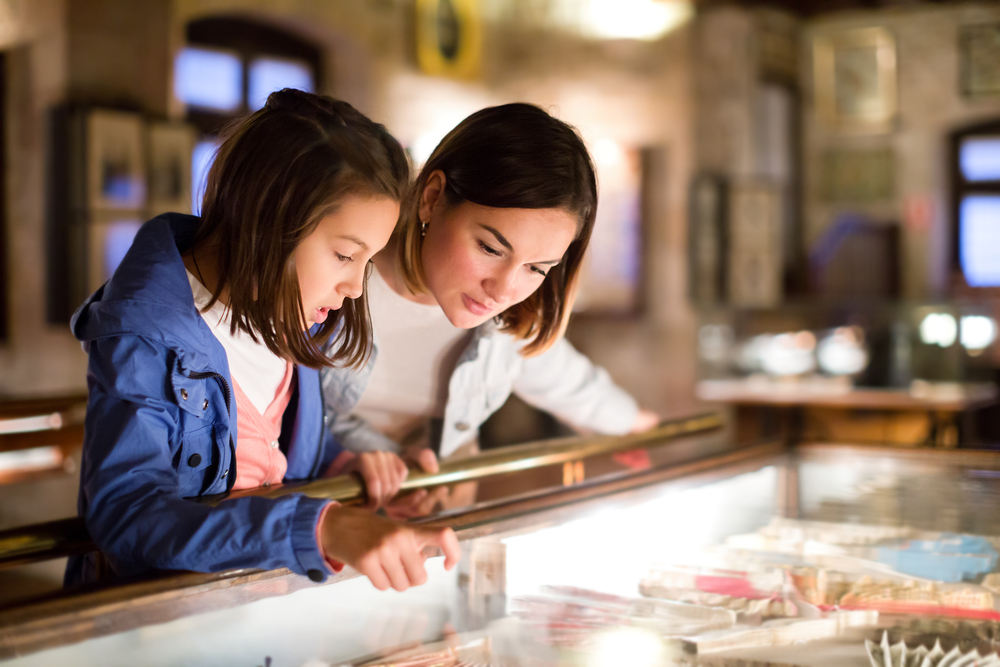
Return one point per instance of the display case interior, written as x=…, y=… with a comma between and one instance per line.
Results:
x=762, y=555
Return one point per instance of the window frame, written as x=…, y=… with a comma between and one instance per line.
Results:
x=962, y=188
x=249, y=40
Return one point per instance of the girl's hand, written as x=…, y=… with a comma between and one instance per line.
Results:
x=383, y=474
x=645, y=420
x=390, y=554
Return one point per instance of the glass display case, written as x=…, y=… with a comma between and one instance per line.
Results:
x=713, y=555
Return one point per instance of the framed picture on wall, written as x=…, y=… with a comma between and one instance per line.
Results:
x=611, y=280
x=169, y=147
x=707, y=239
x=854, y=77
x=115, y=160
x=755, y=262
x=449, y=37
x=980, y=60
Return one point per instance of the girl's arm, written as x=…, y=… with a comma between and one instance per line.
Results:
x=567, y=384
x=130, y=488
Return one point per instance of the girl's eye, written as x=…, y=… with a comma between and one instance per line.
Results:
x=488, y=250
x=539, y=271
x=343, y=258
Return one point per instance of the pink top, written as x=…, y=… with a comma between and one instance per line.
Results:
x=259, y=461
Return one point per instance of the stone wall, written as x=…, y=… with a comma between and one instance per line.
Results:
x=930, y=107
x=120, y=52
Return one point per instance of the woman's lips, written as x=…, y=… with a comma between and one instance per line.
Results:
x=474, y=306
x=321, y=314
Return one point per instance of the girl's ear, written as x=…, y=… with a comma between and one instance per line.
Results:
x=432, y=194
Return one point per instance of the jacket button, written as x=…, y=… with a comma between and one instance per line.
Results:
x=462, y=426
x=194, y=460
x=315, y=575
x=184, y=394
x=204, y=406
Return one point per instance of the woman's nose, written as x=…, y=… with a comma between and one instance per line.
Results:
x=502, y=286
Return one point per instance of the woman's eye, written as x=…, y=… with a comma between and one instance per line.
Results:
x=539, y=271
x=489, y=250
x=343, y=258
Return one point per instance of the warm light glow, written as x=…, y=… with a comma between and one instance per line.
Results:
x=939, y=329
x=978, y=332
x=621, y=19
x=843, y=352
x=789, y=354
x=627, y=646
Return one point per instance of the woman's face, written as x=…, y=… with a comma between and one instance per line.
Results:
x=479, y=261
x=331, y=261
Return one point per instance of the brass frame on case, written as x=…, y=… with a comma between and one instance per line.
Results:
x=65, y=537
x=825, y=50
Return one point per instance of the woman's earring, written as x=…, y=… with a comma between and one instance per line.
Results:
x=423, y=229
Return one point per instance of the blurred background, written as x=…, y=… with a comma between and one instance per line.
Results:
x=800, y=199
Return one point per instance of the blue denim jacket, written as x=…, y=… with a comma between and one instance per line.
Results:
x=161, y=427
x=560, y=381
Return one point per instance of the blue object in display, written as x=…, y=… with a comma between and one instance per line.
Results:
x=951, y=559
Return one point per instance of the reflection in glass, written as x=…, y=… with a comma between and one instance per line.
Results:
x=267, y=75
x=208, y=78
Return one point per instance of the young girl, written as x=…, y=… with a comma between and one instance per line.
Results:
x=471, y=297
x=203, y=377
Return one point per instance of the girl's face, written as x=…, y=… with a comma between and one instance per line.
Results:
x=479, y=261
x=331, y=261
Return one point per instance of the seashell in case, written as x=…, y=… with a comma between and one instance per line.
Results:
x=900, y=655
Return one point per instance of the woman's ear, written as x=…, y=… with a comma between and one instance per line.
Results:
x=432, y=194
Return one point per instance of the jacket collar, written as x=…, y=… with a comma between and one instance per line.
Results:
x=149, y=296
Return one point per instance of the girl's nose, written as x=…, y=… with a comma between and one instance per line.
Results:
x=353, y=286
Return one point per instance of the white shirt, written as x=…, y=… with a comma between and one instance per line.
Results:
x=417, y=351
x=258, y=371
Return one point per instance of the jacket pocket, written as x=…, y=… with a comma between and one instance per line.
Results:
x=195, y=462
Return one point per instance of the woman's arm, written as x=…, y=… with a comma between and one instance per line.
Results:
x=131, y=490
x=567, y=384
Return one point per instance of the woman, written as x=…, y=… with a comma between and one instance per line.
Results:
x=472, y=294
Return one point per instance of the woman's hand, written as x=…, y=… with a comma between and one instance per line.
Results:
x=644, y=420
x=383, y=474
x=390, y=554
x=638, y=459
x=423, y=457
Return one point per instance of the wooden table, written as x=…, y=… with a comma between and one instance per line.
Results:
x=927, y=414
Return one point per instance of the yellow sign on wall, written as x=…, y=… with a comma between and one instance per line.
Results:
x=449, y=37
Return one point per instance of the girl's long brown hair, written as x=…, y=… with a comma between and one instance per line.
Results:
x=277, y=174
x=512, y=156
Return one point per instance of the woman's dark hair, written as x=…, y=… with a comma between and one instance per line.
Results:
x=278, y=173
x=512, y=156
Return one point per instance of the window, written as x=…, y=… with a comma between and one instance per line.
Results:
x=228, y=69
x=976, y=204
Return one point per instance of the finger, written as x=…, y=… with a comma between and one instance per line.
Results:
x=427, y=460
x=445, y=540
x=401, y=471
x=427, y=505
x=413, y=562
x=372, y=568
x=373, y=484
x=393, y=566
